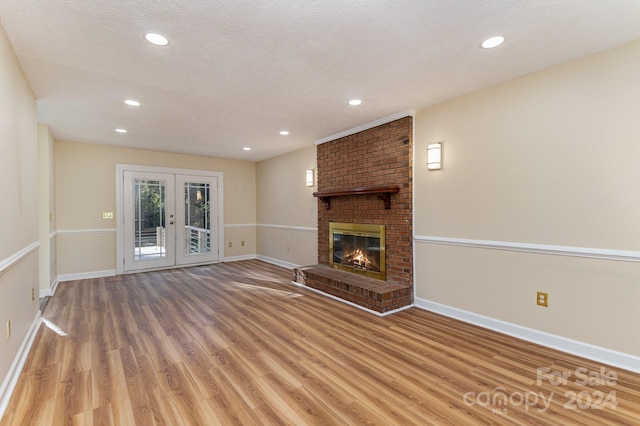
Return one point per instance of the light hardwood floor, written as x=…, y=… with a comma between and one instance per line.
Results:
x=236, y=343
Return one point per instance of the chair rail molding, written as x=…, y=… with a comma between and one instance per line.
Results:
x=586, y=252
x=288, y=228
x=15, y=258
x=86, y=231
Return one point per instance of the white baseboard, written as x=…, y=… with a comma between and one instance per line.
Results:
x=277, y=262
x=87, y=275
x=47, y=292
x=271, y=260
x=239, y=258
x=585, y=350
x=355, y=305
x=11, y=379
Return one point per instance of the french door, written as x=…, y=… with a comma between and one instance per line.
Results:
x=169, y=219
x=196, y=212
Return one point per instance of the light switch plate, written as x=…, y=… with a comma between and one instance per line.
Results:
x=107, y=215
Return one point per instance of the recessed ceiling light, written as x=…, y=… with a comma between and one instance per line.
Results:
x=492, y=42
x=132, y=102
x=284, y=133
x=354, y=102
x=246, y=148
x=157, y=39
x=121, y=130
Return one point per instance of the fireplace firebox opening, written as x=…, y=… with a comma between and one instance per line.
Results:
x=358, y=248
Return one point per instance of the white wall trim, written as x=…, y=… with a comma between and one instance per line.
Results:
x=592, y=253
x=15, y=258
x=289, y=228
x=10, y=381
x=272, y=226
x=367, y=126
x=86, y=275
x=86, y=231
x=585, y=350
x=47, y=292
x=239, y=258
x=54, y=286
x=53, y=234
x=355, y=305
x=277, y=262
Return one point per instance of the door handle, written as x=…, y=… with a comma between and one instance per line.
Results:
x=171, y=223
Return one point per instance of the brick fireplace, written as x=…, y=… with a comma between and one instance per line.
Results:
x=365, y=178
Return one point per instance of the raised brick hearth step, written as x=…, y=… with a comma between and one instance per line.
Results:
x=377, y=295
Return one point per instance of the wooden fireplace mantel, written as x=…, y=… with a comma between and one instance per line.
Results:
x=383, y=192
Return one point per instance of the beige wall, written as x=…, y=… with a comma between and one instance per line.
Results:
x=19, y=211
x=85, y=187
x=287, y=210
x=550, y=160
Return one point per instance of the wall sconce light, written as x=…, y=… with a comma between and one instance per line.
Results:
x=309, y=177
x=434, y=156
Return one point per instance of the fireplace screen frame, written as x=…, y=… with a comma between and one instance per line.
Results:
x=362, y=230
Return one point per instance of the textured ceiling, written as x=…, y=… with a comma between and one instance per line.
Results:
x=236, y=72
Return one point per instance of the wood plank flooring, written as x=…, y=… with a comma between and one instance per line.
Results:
x=236, y=343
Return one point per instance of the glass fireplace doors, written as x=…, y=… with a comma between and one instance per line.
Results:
x=358, y=248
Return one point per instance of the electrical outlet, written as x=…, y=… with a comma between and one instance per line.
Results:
x=8, y=329
x=230, y=244
x=242, y=243
x=542, y=299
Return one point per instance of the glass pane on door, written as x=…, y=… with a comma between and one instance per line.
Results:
x=149, y=219
x=197, y=218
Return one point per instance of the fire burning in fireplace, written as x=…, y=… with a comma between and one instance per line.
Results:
x=359, y=260
x=358, y=248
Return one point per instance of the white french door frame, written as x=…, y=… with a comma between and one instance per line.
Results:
x=120, y=205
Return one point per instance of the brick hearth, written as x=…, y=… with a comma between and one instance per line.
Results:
x=376, y=157
x=377, y=295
